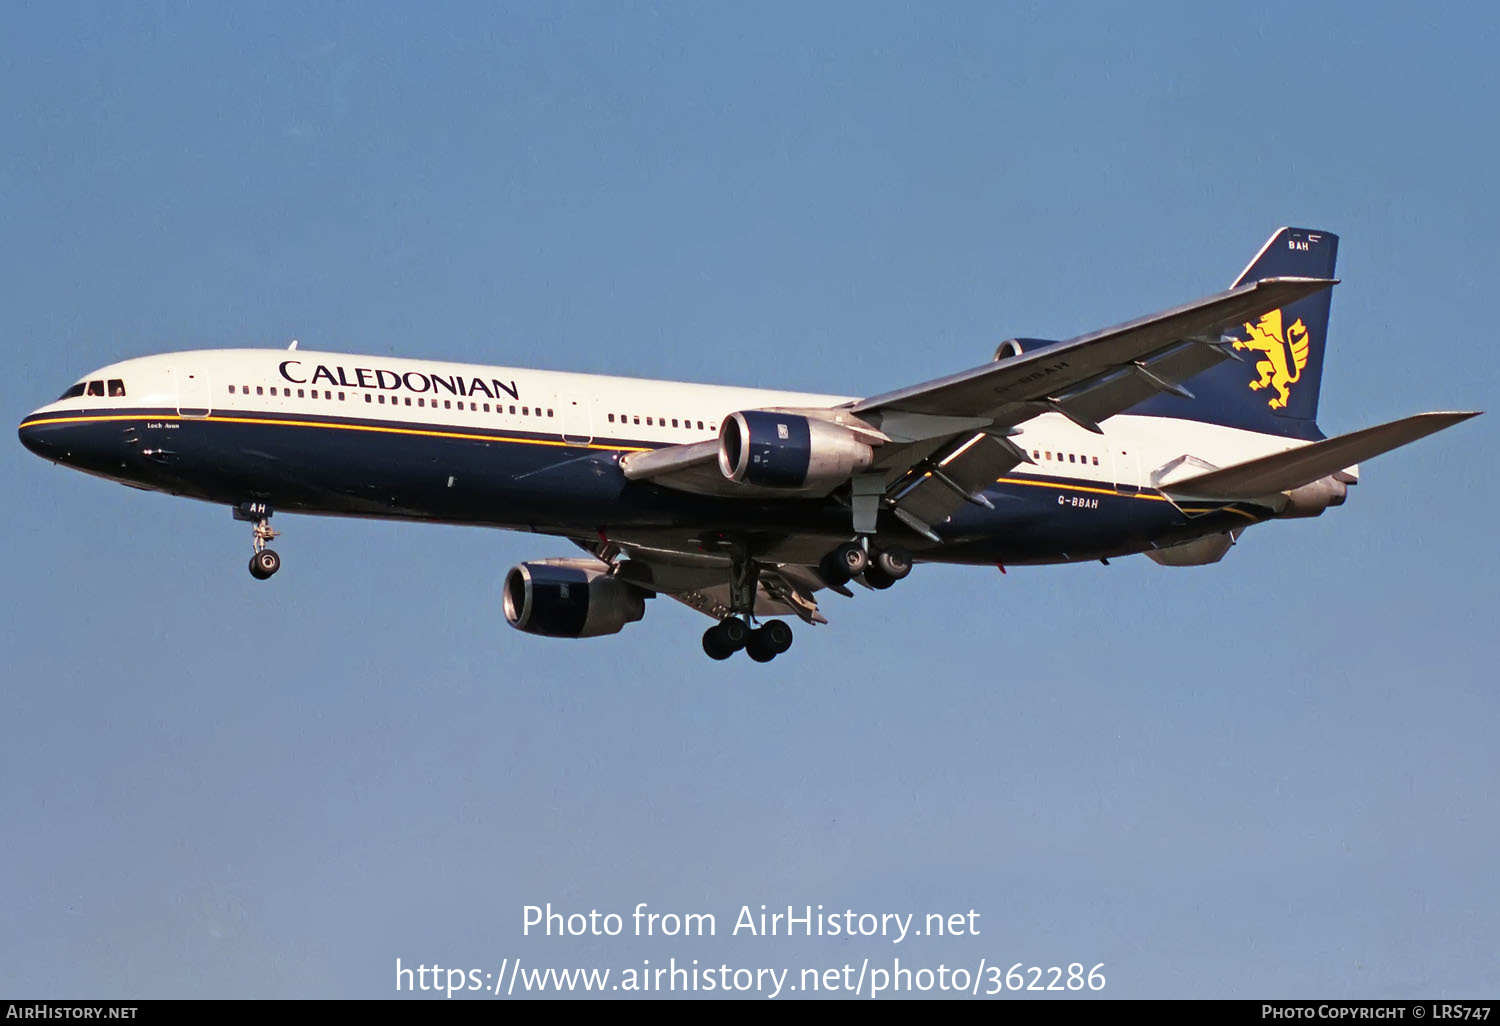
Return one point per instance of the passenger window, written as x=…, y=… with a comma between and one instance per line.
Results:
x=341, y=397
x=486, y=407
x=329, y=395
x=1096, y=461
x=648, y=422
x=260, y=390
x=231, y=390
x=96, y=388
x=408, y=400
x=512, y=411
x=525, y=411
x=674, y=421
x=638, y=420
x=1072, y=457
x=369, y=398
x=273, y=389
x=1036, y=454
x=700, y=425
x=299, y=394
x=611, y=418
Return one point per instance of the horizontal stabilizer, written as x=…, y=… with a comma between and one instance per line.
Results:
x=1297, y=467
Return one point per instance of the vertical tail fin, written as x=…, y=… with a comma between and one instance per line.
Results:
x=1275, y=389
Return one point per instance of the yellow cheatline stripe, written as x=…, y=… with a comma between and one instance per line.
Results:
x=1077, y=488
x=1110, y=491
x=338, y=427
x=1220, y=509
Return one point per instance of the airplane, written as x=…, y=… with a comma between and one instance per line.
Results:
x=1167, y=435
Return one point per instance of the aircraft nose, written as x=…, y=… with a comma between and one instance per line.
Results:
x=34, y=436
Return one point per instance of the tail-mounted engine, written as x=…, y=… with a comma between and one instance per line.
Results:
x=1016, y=346
x=1312, y=499
x=570, y=598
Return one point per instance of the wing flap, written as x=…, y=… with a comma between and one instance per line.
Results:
x=939, y=486
x=1294, y=468
x=1123, y=387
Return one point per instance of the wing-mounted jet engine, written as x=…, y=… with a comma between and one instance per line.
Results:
x=783, y=450
x=570, y=598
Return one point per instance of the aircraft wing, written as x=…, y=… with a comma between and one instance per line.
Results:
x=691, y=569
x=945, y=439
x=1067, y=371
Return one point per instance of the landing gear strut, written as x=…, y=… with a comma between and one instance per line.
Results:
x=735, y=632
x=264, y=562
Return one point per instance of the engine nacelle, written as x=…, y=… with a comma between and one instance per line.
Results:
x=786, y=450
x=569, y=598
x=1016, y=346
x=1312, y=499
x=1199, y=552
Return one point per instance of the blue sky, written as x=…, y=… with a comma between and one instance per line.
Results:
x=1271, y=777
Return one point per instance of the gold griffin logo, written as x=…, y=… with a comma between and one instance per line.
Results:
x=1285, y=355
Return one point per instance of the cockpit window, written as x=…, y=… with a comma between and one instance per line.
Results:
x=74, y=392
x=116, y=388
x=96, y=388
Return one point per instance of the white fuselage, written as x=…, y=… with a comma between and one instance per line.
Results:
x=599, y=411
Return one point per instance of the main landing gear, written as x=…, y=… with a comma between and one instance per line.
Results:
x=264, y=562
x=762, y=643
x=876, y=567
x=734, y=632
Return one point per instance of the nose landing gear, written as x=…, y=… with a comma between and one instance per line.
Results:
x=264, y=562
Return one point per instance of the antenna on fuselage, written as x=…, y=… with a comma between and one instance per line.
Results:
x=293, y=345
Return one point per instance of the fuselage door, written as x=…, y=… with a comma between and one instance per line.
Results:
x=577, y=422
x=1127, y=471
x=194, y=398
